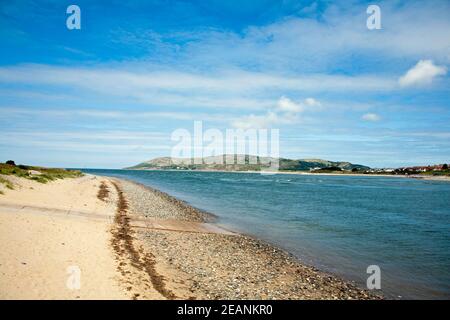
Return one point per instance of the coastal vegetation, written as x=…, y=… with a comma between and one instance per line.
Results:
x=436, y=173
x=7, y=183
x=39, y=174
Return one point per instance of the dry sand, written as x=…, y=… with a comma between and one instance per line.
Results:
x=50, y=231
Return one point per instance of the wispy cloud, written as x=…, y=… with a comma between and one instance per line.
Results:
x=290, y=44
x=64, y=112
x=120, y=81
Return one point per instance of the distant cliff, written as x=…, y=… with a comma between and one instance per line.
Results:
x=251, y=163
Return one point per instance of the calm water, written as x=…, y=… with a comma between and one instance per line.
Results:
x=339, y=224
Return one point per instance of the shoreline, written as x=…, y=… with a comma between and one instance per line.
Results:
x=419, y=177
x=273, y=254
x=147, y=244
x=199, y=215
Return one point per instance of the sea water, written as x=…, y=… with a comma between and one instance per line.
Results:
x=340, y=224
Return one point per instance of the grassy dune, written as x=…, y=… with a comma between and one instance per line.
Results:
x=39, y=174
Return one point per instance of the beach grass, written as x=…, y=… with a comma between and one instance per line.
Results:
x=39, y=174
x=7, y=183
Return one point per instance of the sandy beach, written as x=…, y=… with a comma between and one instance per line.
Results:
x=46, y=231
x=129, y=241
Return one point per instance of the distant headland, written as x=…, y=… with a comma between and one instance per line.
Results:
x=257, y=163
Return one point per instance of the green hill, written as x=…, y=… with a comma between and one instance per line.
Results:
x=249, y=163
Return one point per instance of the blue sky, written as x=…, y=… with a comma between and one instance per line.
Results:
x=111, y=94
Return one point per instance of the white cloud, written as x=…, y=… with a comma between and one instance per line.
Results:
x=311, y=102
x=371, y=117
x=287, y=105
x=286, y=112
x=257, y=121
x=422, y=73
